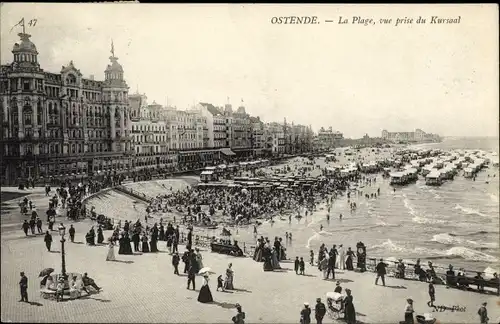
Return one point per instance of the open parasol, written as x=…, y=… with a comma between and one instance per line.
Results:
x=45, y=272
x=335, y=296
x=204, y=270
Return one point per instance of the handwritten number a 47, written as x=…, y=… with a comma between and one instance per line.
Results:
x=32, y=22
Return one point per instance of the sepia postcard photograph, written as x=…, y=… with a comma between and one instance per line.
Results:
x=249, y=163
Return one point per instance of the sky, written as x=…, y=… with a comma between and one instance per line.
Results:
x=353, y=77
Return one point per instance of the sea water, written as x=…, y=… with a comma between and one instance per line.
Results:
x=456, y=223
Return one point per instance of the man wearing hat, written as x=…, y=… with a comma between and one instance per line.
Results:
x=409, y=311
x=320, y=311
x=483, y=314
x=305, y=314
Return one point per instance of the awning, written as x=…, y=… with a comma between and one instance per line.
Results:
x=227, y=151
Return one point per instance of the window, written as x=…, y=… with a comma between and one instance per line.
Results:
x=27, y=118
x=26, y=85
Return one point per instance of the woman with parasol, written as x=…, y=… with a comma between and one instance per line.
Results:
x=205, y=295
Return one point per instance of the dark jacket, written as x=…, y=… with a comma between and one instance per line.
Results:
x=23, y=283
x=48, y=238
x=320, y=309
x=381, y=268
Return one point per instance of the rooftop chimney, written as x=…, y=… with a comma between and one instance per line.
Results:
x=91, y=77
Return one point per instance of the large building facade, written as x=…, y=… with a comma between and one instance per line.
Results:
x=417, y=136
x=150, y=135
x=328, y=138
x=61, y=124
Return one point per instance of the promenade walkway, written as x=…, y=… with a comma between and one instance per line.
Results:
x=143, y=288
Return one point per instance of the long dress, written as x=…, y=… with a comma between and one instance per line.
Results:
x=100, y=236
x=145, y=245
x=348, y=262
x=276, y=263
x=111, y=252
x=228, y=284
x=199, y=259
x=153, y=245
x=205, y=295
x=268, y=265
x=75, y=290
x=350, y=312
x=121, y=248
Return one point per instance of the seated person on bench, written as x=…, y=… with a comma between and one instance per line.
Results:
x=87, y=281
x=451, y=279
x=479, y=281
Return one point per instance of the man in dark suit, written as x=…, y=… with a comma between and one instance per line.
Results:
x=191, y=276
x=381, y=271
x=23, y=285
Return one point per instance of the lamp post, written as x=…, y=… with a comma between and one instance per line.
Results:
x=62, y=232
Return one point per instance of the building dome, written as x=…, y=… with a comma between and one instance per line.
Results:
x=26, y=45
x=114, y=66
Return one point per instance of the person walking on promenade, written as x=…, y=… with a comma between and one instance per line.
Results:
x=39, y=225
x=432, y=295
x=305, y=314
x=23, y=285
x=32, y=226
x=191, y=276
x=71, y=233
x=409, y=311
x=483, y=314
x=320, y=311
x=48, y=240
x=26, y=227
x=175, y=263
x=296, y=265
x=381, y=271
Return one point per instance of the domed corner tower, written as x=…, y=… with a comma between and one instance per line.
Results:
x=25, y=105
x=116, y=103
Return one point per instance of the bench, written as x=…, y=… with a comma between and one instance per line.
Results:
x=467, y=281
x=226, y=249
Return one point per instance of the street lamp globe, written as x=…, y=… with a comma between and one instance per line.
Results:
x=62, y=230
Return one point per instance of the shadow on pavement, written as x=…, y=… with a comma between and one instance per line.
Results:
x=98, y=299
x=54, y=251
x=35, y=303
x=242, y=290
x=77, y=242
x=123, y=261
x=396, y=287
x=224, y=304
x=360, y=314
x=342, y=280
x=308, y=275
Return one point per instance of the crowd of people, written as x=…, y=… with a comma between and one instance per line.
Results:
x=238, y=207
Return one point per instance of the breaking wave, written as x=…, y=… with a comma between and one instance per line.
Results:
x=470, y=211
x=452, y=253
x=446, y=238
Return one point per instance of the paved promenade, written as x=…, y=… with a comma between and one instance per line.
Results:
x=143, y=288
